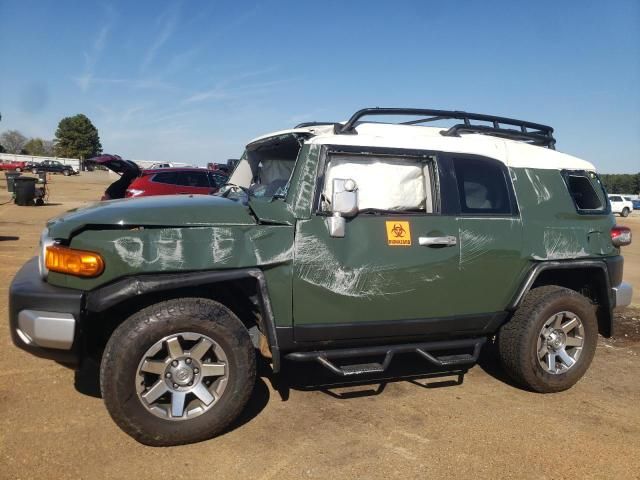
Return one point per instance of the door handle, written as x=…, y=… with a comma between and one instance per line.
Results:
x=448, y=241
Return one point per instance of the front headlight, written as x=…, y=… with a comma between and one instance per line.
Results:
x=45, y=241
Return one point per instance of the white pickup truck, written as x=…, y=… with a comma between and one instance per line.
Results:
x=620, y=205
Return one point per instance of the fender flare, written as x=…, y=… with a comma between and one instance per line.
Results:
x=110, y=295
x=538, y=268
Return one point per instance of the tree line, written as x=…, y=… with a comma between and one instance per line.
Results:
x=76, y=137
x=621, y=183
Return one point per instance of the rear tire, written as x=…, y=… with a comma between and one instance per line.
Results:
x=18, y=169
x=537, y=327
x=625, y=212
x=34, y=171
x=66, y=173
x=133, y=364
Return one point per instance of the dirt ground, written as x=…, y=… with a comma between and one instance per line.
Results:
x=416, y=425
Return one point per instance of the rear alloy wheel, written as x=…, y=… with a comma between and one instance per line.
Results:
x=560, y=342
x=625, y=212
x=550, y=341
x=178, y=371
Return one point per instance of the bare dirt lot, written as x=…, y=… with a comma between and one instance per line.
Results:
x=299, y=426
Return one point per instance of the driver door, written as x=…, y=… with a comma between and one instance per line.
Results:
x=396, y=270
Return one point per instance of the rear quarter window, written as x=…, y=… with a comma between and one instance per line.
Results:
x=586, y=191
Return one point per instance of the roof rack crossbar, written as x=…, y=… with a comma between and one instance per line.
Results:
x=531, y=132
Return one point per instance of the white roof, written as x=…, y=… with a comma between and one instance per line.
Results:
x=512, y=153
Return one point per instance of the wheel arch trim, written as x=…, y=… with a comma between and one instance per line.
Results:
x=538, y=268
x=105, y=297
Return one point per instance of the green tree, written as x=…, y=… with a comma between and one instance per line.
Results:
x=621, y=183
x=13, y=141
x=76, y=137
x=35, y=146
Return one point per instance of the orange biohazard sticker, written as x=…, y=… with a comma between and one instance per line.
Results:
x=398, y=233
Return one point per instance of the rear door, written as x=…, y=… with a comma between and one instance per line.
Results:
x=490, y=235
x=396, y=271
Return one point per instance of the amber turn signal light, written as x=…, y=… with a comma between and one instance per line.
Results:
x=73, y=262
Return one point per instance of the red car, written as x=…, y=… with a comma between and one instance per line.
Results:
x=134, y=182
x=12, y=165
x=172, y=181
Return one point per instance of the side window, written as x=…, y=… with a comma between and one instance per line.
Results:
x=586, y=191
x=482, y=186
x=169, y=178
x=385, y=183
x=193, y=179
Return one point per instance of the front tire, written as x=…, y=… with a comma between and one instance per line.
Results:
x=178, y=372
x=550, y=341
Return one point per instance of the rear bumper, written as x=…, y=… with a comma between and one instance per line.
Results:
x=623, y=294
x=43, y=318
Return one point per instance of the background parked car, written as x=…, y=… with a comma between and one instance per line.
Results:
x=12, y=165
x=176, y=181
x=620, y=206
x=135, y=182
x=52, y=166
x=636, y=204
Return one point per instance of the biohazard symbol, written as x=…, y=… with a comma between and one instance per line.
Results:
x=398, y=231
x=398, y=234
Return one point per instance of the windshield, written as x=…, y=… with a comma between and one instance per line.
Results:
x=265, y=169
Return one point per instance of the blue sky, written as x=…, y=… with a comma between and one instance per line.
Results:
x=194, y=81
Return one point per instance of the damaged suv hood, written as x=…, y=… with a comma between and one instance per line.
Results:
x=167, y=210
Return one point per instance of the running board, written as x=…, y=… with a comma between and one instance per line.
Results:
x=324, y=357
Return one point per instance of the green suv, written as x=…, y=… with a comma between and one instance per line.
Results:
x=332, y=243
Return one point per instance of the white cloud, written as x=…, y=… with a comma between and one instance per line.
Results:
x=91, y=57
x=167, y=21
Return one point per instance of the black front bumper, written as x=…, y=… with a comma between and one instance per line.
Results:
x=29, y=292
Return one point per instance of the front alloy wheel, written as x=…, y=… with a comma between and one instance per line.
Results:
x=182, y=376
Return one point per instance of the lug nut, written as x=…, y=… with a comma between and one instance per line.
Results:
x=168, y=375
x=190, y=383
x=188, y=360
x=195, y=370
x=174, y=363
x=175, y=385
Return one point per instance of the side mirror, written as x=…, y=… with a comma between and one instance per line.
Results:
x=344, y=203
x=345, y=197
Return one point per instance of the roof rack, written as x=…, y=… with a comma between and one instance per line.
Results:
x=533, y=133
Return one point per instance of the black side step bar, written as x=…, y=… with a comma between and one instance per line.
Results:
x=423, y=349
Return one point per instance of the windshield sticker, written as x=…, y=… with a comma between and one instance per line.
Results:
x=398, y=234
